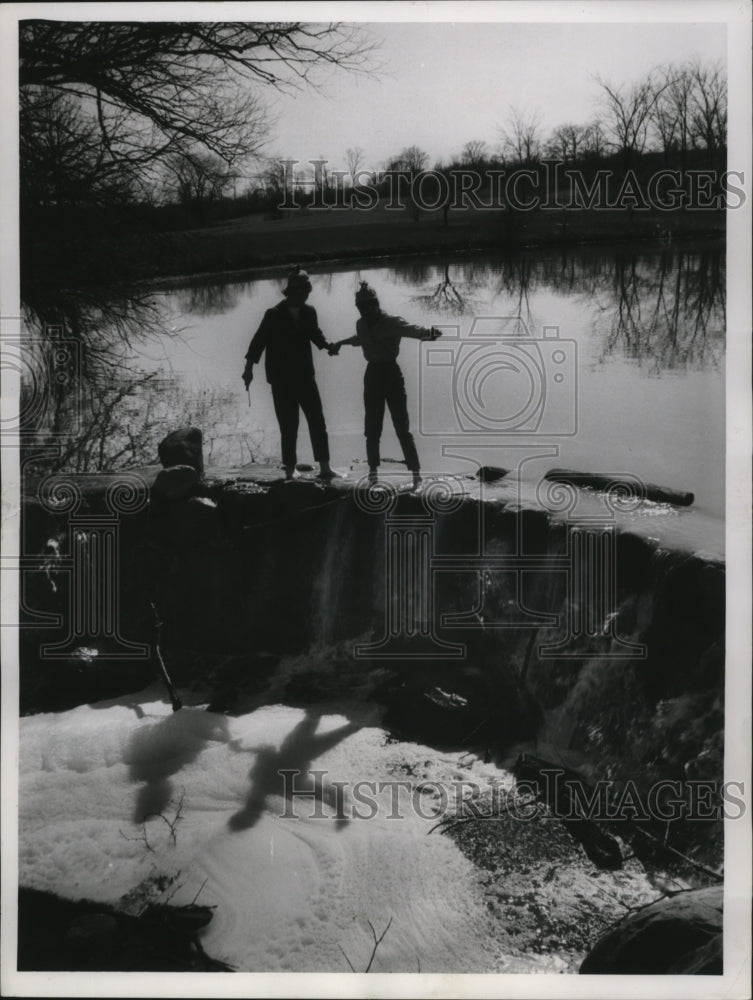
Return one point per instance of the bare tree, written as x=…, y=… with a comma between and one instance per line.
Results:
x=677, y=97
x=475, y=153
x=118, y=424
x=556, y=145
x=665, y=115
x=411, y=159
x=199, y=177
x=593, y=142
x=709, y=105
x=567, y=141
x=354, y=158
x=521, y=139
x=321, y=179
x=627, y=114
x=151, y=85
x=61, y=154
x=276, y=180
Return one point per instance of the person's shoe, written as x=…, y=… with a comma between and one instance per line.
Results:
x=290, y=473
x=372, y=477
x=329, y=474
x=416, y=480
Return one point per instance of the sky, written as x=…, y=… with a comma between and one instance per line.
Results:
x=443, y=84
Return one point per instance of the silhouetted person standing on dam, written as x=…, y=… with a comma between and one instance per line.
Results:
x=287, y=332
x=378, y=334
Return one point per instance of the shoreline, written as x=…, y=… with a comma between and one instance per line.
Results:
x=347, y=261
x=252, y=246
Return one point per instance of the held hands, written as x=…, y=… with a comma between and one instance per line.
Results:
x=333, y=350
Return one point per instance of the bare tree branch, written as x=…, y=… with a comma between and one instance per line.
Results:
x=377, y=942
x=521, y=139
x=147, y=86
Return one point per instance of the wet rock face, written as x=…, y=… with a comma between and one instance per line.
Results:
x=183, y=447
x=457, y=706
x=681, y=935
x=249, y=565
x=179, y=482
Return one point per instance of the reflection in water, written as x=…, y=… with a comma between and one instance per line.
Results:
x=515, y=280
x=448, y=297
x=97, y=407
x=666, y=310
x=104, y=323
x=86, y=403
x=667, y=314
x=105, y=427
x=202, y=298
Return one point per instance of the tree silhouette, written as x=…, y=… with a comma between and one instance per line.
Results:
x=521, y=138
x=151, y=86
x=354, y=158
x=628, y=114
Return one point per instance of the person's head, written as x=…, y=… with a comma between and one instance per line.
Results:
x=298, y=287
x=367, y=301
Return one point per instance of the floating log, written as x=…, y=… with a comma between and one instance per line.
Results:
x=491, y=473
x=603, y=481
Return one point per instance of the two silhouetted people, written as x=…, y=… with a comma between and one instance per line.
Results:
x=286, y=334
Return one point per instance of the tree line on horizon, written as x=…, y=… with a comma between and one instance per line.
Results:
x=675, y=116
x=164, y=118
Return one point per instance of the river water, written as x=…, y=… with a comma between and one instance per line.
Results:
x=602, y=361
x=593, y=360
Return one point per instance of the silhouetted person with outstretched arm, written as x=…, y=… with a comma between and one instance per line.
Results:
x=379, y=334
x=286, y=333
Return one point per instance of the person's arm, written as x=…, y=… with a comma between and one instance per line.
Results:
x=256, y=348
x=355, y=341
x=350, y=342
x=316, y=336
x=399, y=327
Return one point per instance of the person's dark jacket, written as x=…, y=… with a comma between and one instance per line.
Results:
x=287, y=342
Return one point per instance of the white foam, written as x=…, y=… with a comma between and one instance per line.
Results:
x=291, y=894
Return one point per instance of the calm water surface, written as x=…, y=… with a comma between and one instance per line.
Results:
x=597, y=361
